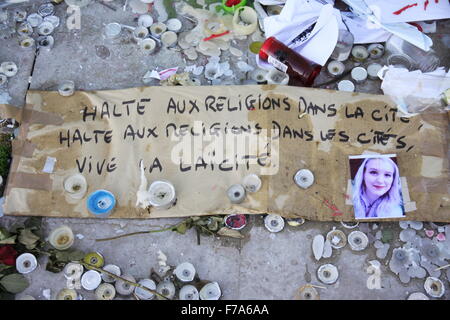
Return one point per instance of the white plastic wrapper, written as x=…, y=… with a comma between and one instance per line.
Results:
x=414, y=91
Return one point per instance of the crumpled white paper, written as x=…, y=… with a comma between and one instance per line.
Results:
x=298, y=16
x=403, y=30
x=414, y=91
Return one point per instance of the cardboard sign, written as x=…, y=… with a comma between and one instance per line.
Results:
x=205, y=139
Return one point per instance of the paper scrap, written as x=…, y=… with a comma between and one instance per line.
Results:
x=49, y=165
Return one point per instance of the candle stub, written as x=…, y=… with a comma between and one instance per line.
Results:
x=359, y=74
x=335, y=68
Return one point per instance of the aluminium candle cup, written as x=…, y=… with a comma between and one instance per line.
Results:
x=61, y=238
x=185, y=272
x=337, y=238
x=67, y=294
x=54, y=20
x=45, y=42
x=123, y=288
x=346, y=85
x=359, y=74
x=373, y=69
x=45, y=28
x=34, y=19
x=90, y=280
x=8, y=68
x=235, y=221
x=335, y=68
x=188, y=292
x=105, y=291
x=112, y=30
x=252, y=183
x=245, y=21
x=143, y=294
x=275, y=76
x=66, y=89
x=162, y=194
x=112, y=268
x=236, y=193
x=174, y=25
x=376, y=50
x=274, y=222
x=210, y=291
x=145, y=20
x=101, y=203
x=140, y=33
x=3, y=82
x=25, y=29
x=327, y=273
x=399, y=60
x=26, y=263
x=360, y=53
x=169, y=39
x=27, y=43
x=167, y=289
x=304, y=178
x=148, y=45
x=46, y=9
x=20, y=15
x=157, y=29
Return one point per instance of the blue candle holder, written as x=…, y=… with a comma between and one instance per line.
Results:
x=101, y=203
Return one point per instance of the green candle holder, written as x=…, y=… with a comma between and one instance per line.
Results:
x=232, y=9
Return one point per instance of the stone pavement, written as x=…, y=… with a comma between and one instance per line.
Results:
x=264, y=265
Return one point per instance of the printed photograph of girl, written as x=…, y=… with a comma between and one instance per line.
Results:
x=376, y=188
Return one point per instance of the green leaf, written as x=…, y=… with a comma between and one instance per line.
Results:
x=4, y=234
x=10, y=240
x=386, y=236
x=34, y=223
x=181, y=228
x=28, y=238
x=69, y=255
x=14, y=283
x=4, y=267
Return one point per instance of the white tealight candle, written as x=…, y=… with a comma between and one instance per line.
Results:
x=335, y=68
x=376, y=50
x=372, y=70
x=359, y=74
x=359, y=53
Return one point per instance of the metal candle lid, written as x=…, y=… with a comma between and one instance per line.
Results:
x=373, y=69
x=346, y=85
x=91, y=280
x=162, y=194
x=101, y=202
x=359, y=74
x=144, y=294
